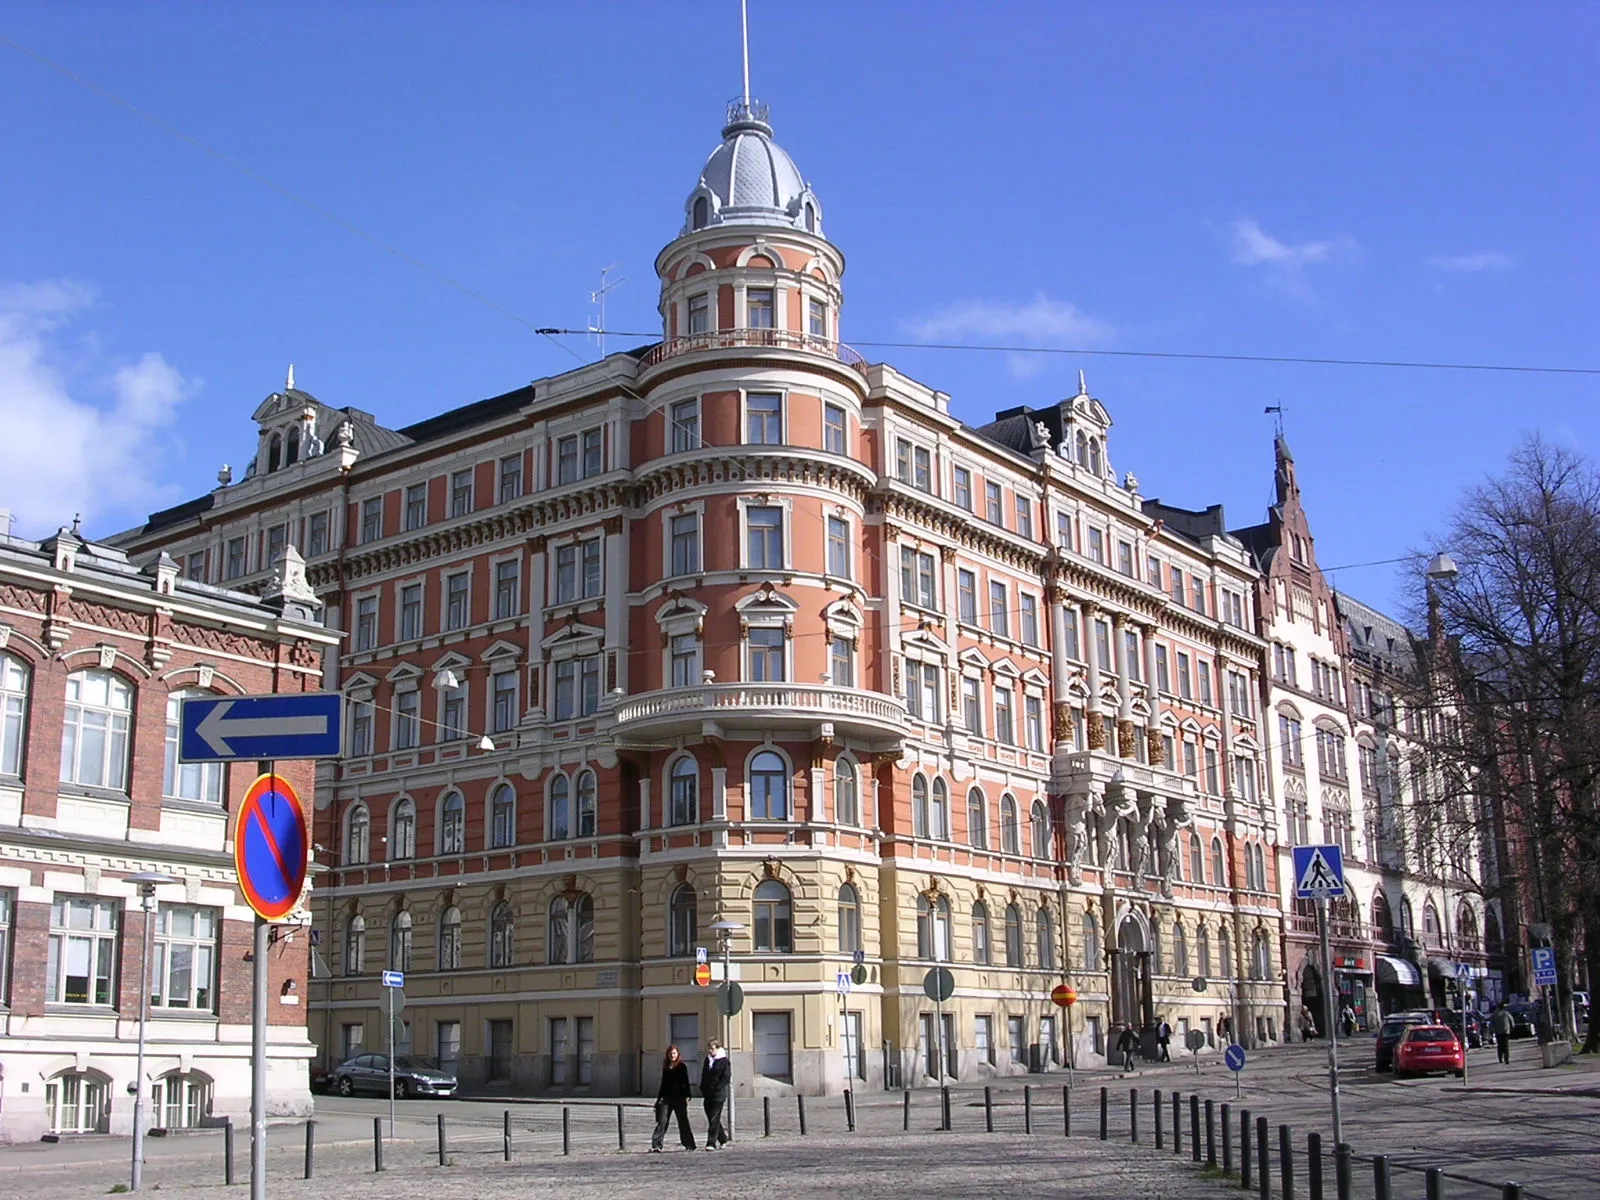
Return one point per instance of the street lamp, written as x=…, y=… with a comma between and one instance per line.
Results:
x=726, y=931
x=146, y=882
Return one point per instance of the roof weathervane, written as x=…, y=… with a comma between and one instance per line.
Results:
x=1276, y=410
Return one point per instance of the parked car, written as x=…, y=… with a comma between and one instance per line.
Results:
x=1424, y=1048
x=1451, y=1017
x=1524, y=1019
x=1391, y=1031
x=412, y=1076
x=321, y=1078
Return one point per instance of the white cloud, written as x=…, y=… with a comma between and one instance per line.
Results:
x=80, y=435
x=1486, y=260
x=1253, y=246
x=1040, y=321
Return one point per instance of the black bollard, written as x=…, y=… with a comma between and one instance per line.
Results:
x=1177, y=1123
x=1211, y=1132
x=1194, y=1127
x=988, y=1110
x=1027, y=1108
x=800, y=1107
x=566, y=1130
x=1342, y=1173
x=905, y=1109
x=377, y=1143
x=622, y=1130
x=1380, y=1177
x=1433, y=1181
x=1227, y=1139
x=1314, y=1165
x=505, y=1135
x=1133, y=1115
x=442, y=1155
x=1244, y=1149
x=944, y=1106
x=766, y=1116
x=1263, y=1160
x=1105, y=1113
x=1286, y=1160
x=227, y=1151
x=1511, y=1191
x=311, y=1148
x=850, y=1110
x=1155, y=1108
x=1066, y=1110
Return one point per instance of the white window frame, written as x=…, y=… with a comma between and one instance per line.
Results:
x=782, y=396
x=785, y=531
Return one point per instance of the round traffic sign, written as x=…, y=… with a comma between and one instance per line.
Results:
x=1198, y=983
x=395, y=1000
x=1233, y=1056
x=858, y=975
x=1064, y=994
x=269, y=847
x=939, y=983
x=730, y=999
x=702, y=975
x=1195, y=1040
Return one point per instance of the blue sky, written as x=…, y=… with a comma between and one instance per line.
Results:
x=1374, y=181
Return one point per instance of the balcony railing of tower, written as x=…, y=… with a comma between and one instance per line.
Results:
x=777, y=339
x=777, y=698
x=741, y=110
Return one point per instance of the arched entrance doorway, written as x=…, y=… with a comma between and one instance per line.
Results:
x=1311, y=997
x=1132, y=998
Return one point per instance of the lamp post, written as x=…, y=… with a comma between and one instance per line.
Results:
x=146, y=882
x=725, y=931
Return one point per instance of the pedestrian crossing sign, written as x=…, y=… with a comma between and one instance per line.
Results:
x=1318, y=872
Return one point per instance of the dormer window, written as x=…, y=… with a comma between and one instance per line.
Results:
x=292, y=454
x=274, y=453
x=811, y=217
x=702, y=212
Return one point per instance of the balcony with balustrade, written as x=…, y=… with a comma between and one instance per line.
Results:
x=805, y=711
x=762, y=343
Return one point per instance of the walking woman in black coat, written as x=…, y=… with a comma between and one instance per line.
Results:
x=715, y=1078
x=672, y=1099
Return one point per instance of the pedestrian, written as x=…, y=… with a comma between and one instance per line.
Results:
x=1308, y=1024
x=1347, y=1020
x=1164, y=1040
x=672, y=1100
x=1501, y=1024
x=715, y=1078
x=1126, y=1045
x=1224, y=1029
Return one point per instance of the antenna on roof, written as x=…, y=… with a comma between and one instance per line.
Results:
x=598, y=299
x=744, y=40
x=1277, y=411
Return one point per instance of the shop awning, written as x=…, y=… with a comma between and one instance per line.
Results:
x=1441, y=968
x=1401, y=972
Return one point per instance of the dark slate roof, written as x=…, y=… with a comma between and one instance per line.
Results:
x=1377, y=639
x=1258, y=540
x=466, y=416
x=1013, y=428
x=181, y=512
x=1187, y=522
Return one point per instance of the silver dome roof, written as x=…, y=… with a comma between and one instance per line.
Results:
x=751, y=180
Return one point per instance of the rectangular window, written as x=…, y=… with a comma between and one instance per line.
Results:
x=1033, y=722
x=584, y=1028
x=1017, y=1031
x=1163, y=681
x=759, y=308
x=1024, y=517
x=1064, y=537
x=684, y=652
x=1125, y=558
x=839, y=547
x=453, y=713
x=578, y=574
x=1004, y=726
x=1191, y=765
x=510, y=477
x=410, y=612
x=764, y=419
x=683, y=1031
x=184, y=963
x=567, y=459
x=922, y=691
x=855, y=1045
x=317, y=535
x=991, y=504
x=1211, y=770
x=764, y=541
x=80, y=957
x=842, y=662
x=1178, y=588
x=195, y=566
x=685, y=421
x=577, y=687
x=1102, y=644
x=1152, y=567
x=700, y=313
x=500, y=1046
x=967, y=596
x=594, y=452
x=277, y=541
x=560, y=1052
x=503, y=693
x=766, y=656
x=817, y=317
x=983, y=1038
x=683, y=532
x=963, y=488
x=1097, y=546
x=507, y=589
x=416, y=506
x=13, y=709
x=773, y=1059
x=1203, y=671
x=972, y=705
x=1029, y=608
x=457, y=600
x=917, y=578
x=360, y=728
x=999, y=622
x=1185, y=687
x=94, y=733
x=407, y=719
x=447, y=1044
x=372, y=519
x=235, y=558
x=366, y=623
x=461, y=492
x=835, y=431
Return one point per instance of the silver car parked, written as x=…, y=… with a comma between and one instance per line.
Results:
x=412, y=1076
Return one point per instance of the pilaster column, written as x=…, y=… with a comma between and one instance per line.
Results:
x=1225, y=703
x=1060, y=669
x=1119, y=648
x=644, y=804
x=537, y=581
x=1095, y=728
x=1152, y=724
x=719, y=793
x=616, y=551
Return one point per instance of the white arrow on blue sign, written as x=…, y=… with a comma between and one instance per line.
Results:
x=248, y=728
x=1233, y=1057
x=1318, y=872
x=394, y=979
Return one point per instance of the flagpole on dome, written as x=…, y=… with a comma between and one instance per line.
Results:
x=744, y=41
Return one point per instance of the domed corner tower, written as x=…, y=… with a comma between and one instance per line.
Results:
x=751, y=267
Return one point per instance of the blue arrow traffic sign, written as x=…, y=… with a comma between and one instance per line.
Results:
x=394, y=979
x=1318, y=872
x=251, y=728
x=1233, y=1058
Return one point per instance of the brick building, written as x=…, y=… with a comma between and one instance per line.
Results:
x=95, y=655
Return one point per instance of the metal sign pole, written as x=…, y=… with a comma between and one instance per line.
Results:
x=1333, y=1042
x=1461, y=986
x=258, y=1063
x=390, y=992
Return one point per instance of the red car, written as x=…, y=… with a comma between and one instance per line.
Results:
x=1424, y=1048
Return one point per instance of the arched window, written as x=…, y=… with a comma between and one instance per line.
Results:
x=1013, y=936
x=811, y=217
x=1219, y=870
x=1040, y=822
x=274, y=453
x=560, y=808
x=702, y=212
x=14, y=680
x=77, y=1102
x=683, y=921
x=291, y=454
x=977, y=820
x=94, y=738
x=1467, y=929
x=1197, y=860
x=849, y=919
x=571, y=937
x=502, y=936
x=1180, y=950
x=683, y=792
x=933, y=929
x=1260, y=955
x=769, y=786
x=846, y=793
x=1010, y=834
x=774, y=918
x=400, y=942
x=1083, y=449
x=920, y=823
x=1202, y=951
x=357, y=835
x=1382, y=919
x=559, y=941
x=355, y=945
x=940, y=825
x=1224, y=952
x=1094, y=455
x=503, y=817
x=588, y=804
x=450, y=939
x=980, y=933
x=453, y=824
x=1091, y=943
x=201, y=782
x=181, y=1100
x=1045, y=936
x=1431, y=933
x=403, y=830
x=1408, y=925
x=1158, y=958
x=583, y=921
